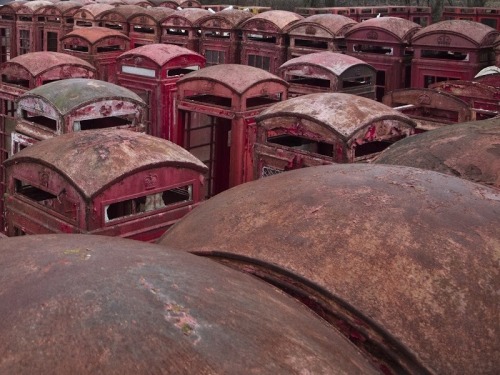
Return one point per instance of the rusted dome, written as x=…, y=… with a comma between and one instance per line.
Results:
x=93, y=10
x=476, y=33
x=404, y=261
x=228, y=19
x=469, y=150
x=280, y=19
x=238, y=78
x=160, y=53
x=334, y=62
x=334, y=24
x=83, y=304
x=341, y=113
x=94, y=34
x=68, y=94
x=188, y=17
x=36, y=63
x=108, y=155
x=401, y=29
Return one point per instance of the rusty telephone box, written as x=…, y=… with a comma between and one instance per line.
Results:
x=57, y=20
x=151, y=71
x=118, y=17
x=145, y=26
x=72, y=105
x=8, y=41
x=87, y=15
x=383, y=43
x=108, y=182
x=99, y=46
x=328, y=72
x=28, y=29
x=324, y=128
x=449, y=50
x=221, y=36
x=318, y=33
x=264, y=43
x=216, y=107
x=181, y=28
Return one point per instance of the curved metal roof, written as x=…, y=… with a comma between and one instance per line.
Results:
x=33, y=6
x=160, y=53
x=336, y=63
x=36, y=63
x=156, y=13
x=228, y=18
x=341, y=113
x=468, y=150
x=87, y=304
x=92, y=160
x=400, y=28
x=69, y=94
x=94, y=34
x=477, y=33
x=280, y=18
x=61, y=7
x=333, y=23
x=488, y=70
x=238, y=78
x=12, y=6
x=124, y=11
x=191, y=15
x=408, y=253
x=95, y=9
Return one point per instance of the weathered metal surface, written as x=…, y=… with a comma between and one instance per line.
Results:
x=402, y=260
x=342, y=114
x=318, y=32
x=32, y=65
x=470, y=151
x=278, y=20
x=92, y=160
x=465, y=45
x=335, y=25
x=310, y=73
x=489, y=79
x=224, y=99
x=461, y=34
x=226, y=20
x=478, y=95
x=145, y=26
x=91, y=304
x=87, y=15
x=430, y=108
x=67, y=95
x=382, y=42
x=109, y=182
x=238, y=79
x=117, y=18
x=389, y=29
x=181, y=28
x=94, y=35
x=174, y=4
x=152, y=72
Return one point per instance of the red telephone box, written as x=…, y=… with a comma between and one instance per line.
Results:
x=23, y=73
x=87, y=15
x=181, y=28
x=176, y=4
x=57, y=20
x=99, y=46
x=265, y=40
x=216, y=110
x=484, y=99
x=420, y=15
x=321, y=32
x=383, y=43
x=28, y=29
x=72, y=105
x=220, y=36
x=328, y=72
x=151, y=71
x=145, y=26
x=108, y=182
x=449, y=50
x=117, y=18
x=430, y=109
x=324, y=128
x=8, y=42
